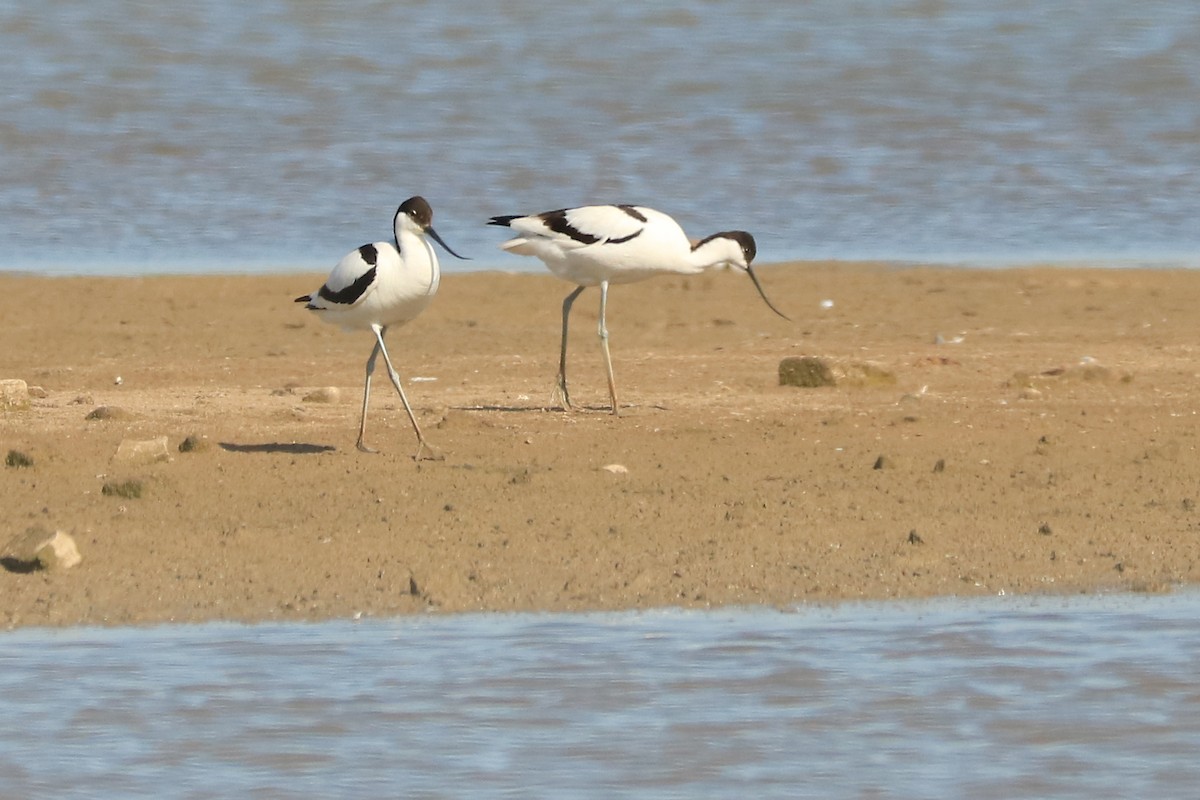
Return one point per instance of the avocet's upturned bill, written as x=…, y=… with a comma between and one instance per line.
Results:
x=381, y=285
x=599, y=245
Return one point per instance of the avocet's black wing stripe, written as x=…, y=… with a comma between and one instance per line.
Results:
x=633, y=212
x=625, y=239
x=582, y=226
x=557, y=221
x=350, y=294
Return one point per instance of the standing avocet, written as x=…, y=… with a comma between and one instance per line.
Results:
x=384, y=284
x=599, y=245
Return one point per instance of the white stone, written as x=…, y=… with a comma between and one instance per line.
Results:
x=14, y=395
x=143, y=451
x=39, y=549
x=59, y=552
x=616, y=469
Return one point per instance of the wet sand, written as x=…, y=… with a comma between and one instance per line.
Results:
x=1018, y=431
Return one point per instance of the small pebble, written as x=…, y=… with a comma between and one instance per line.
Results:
x=327, y=394
x=108, y=413
x=16, y=458
x=807, y=372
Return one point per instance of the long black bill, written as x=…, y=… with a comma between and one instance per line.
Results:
x=763, y=294
x=438, y=239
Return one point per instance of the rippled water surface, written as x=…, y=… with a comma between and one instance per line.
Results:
x=149, y=137
x=991, y=698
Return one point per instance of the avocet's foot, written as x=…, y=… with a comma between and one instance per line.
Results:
x=426, y=453
x=560, y=398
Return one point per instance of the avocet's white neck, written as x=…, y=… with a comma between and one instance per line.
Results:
x=417, y=252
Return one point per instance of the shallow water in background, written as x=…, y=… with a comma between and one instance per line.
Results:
x=145, y=137
x=989, y=698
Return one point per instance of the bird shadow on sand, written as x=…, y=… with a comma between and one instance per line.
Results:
x=506, y=409
x=552, y=409
x=290, y=448
x=11, y=564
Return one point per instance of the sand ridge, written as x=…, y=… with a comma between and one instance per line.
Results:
x=1039, y=436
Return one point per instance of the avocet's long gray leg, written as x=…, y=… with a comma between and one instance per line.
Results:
x=395, y=376
x=603, y=333
x=561, y=388
x=362, y=425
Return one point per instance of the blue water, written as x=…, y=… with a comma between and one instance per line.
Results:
x=987, y=698
x=141, y=137
x=145, y=137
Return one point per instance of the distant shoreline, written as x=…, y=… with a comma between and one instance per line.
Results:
x=497, y=262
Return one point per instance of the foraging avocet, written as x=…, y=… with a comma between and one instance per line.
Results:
x=384, y=284
x=599, y=245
